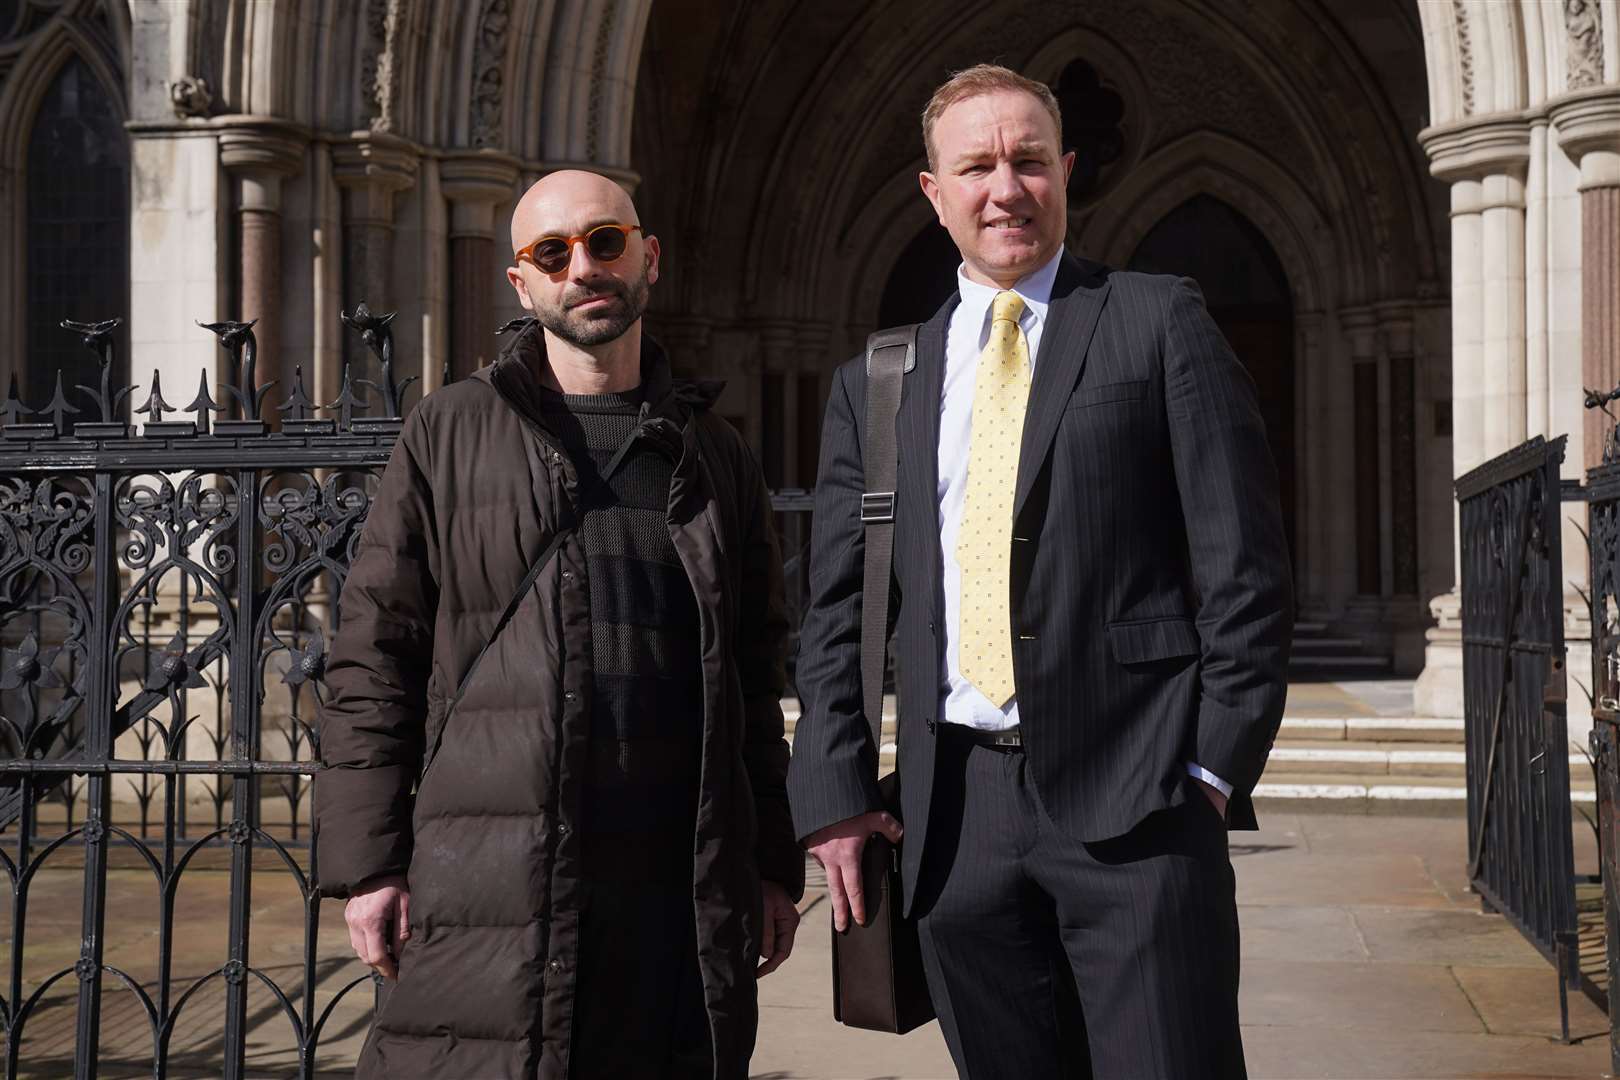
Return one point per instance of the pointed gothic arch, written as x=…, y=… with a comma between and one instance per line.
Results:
x=71, y=38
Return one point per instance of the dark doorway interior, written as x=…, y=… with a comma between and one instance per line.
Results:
x=1247, y=293
x=923, y=278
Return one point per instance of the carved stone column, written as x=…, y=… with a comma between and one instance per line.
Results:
x=371, y=169
x=1588, y=127
x=1485, y=161
x=259, y=152
x=1313, y=569
x=476, y=185
x=815, y=363
x=1360, y=325
x=778, y=395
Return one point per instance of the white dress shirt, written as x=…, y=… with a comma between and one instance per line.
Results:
x=965, y=338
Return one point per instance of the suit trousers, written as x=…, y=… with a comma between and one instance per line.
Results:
x=1050, y=957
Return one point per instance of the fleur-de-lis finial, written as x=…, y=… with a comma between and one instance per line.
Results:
x=12, y=410
x=298, y=403
x=203, y=404
x=155, y=406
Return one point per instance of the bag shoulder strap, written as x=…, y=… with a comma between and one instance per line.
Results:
x=889, y=355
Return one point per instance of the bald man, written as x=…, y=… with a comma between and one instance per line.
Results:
x=555, y=787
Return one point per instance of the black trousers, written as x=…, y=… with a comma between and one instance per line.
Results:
x=638, y=1005
x=1048, y=957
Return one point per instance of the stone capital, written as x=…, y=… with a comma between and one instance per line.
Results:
x=1588, y=126
x=1360, y=326
x=1395, y=326
x=260, y=152
x=476, y=183
x=261, y=144
x=1478, y=147
x=370, y=168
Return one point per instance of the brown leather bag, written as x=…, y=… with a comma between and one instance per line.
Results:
x=878, y=981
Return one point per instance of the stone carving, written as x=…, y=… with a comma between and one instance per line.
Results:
x=489, y=58
x=599, y=71
x=190, y=96
x=379, y=83
x=1465, y=56
x=1583, y=58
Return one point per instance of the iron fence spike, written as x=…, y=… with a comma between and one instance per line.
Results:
x=12, y=409
x=155, y=406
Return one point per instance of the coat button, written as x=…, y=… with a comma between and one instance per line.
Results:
x=568, y=575
x=568, y=695
x=554, y=967
x=556, y=458
x=562, y=829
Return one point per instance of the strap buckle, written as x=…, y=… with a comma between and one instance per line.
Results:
x=877, y=507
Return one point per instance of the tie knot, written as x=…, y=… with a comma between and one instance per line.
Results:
x=1006, y=306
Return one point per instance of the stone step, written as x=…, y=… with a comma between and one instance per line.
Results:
x=1420, y=729
x=1314, y=646
x=1340, y=663
x=1362, y=793
x=1307, y=629
x=1392, y=759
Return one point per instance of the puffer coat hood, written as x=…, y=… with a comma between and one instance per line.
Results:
x=485, y=830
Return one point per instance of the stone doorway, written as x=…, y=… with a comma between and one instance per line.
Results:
x=1247, y=293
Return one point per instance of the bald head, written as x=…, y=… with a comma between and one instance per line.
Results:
x=569, y=203
x=596, y=298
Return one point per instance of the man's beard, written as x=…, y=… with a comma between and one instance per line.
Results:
x=599, y=325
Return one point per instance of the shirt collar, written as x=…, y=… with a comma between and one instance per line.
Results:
x=1035, y=287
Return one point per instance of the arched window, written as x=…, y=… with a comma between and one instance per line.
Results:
x=78, y=233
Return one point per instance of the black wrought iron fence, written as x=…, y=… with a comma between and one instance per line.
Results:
x=166, y=594
x=1520, y=848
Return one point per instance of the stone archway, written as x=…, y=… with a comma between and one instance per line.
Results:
x=1246, y=290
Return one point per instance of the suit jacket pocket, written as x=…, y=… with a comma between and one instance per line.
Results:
x=1135, y=390
x=1139, y=641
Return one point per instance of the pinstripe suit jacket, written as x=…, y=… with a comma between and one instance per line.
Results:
x=1151, y=590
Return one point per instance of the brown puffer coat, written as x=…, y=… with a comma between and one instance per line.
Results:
x=474, y=490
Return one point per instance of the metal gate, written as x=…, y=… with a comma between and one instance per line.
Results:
x=1520, y=856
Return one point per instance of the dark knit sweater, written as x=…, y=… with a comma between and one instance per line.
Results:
x=647, y=701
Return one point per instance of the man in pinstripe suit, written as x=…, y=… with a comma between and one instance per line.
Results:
x=1093, y=625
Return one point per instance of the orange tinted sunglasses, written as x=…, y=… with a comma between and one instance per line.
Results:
x=552, y=253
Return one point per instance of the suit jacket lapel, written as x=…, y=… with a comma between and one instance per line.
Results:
x=919, y=438
x=1078, y=296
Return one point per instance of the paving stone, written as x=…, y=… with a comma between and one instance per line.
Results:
x=1407, y=935
x=1285, y=932
x=1380, y=997
x=1318, y=1053
x=1351, y=880
x=1524, y=1001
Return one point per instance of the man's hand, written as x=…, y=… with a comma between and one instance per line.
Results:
x=379, y=918
x=781, y=922
x=838, y=849
x=1215, y=797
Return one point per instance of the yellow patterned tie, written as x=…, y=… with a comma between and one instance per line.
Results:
x=984, y=544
